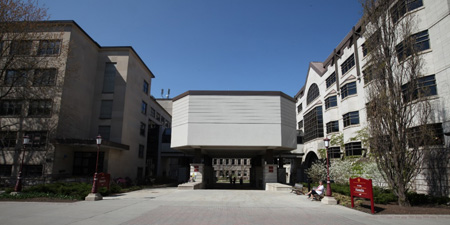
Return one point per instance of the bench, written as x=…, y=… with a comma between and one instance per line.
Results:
x=297, y=189
x=318, y=197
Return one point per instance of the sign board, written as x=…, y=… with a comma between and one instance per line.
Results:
x=195, y=168
x=362, y=188
x=270, y=169
x=104, y=179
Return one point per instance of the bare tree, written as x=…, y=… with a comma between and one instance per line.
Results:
x=31, y=62
x=398, y=110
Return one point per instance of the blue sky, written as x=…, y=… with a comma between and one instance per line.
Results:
x=217, y=44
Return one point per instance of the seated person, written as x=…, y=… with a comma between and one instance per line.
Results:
x=317, y=191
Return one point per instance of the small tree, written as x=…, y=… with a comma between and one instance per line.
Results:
x=397, y=108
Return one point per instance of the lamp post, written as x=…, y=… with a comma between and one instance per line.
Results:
x=327, y=144
x=94, y=196
x=18, y=187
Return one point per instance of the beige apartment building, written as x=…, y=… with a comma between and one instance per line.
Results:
x=95, y=90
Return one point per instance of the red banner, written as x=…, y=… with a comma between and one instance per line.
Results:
x=362, y=188
x=104, y=179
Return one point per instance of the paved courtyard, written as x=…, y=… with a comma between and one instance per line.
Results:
x=172, y=206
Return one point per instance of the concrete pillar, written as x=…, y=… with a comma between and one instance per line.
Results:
x=270, y=174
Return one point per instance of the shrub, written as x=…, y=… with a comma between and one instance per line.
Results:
x=318, y=171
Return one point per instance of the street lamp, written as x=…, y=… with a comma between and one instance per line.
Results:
x=327, y=144
x=18, y=187
x=94, y=196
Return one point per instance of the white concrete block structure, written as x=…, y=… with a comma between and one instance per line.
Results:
x=332, y=99
x=240, y=124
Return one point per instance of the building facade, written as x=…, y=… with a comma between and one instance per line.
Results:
x=95, y=90
x=333, y=98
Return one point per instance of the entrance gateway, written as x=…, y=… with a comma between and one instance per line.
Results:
x=259, y=125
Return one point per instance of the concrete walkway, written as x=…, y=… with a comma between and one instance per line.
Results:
x=172, y=206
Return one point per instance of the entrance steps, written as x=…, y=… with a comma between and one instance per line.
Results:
x=277, y=187
x=191, y=186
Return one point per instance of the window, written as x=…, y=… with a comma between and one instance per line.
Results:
x=40, y=108
x=20, y=48
x=334, y=152
x=141, y=151
x=152, y=112
x=348, y=89
x=49, y=47
x=299, y=137
x=330, y=102
x=105, y=132
x=351, y=118
x=300, y=125
x=84, y=163
x=37, y=138
x=348, y=64
x=109, y=78
x=5, y=170
x=368, y=75
x=140, y=172
x=402, y=7
x=1, y=46
x=430, y=134
x=220, y=161
x=239, y=161
x=145, y=87
x=313, y=124
x=8, y=139
x=313, y=93
x=144, y=108
x=167, y=135
x=332, y=126
x=417, y=42
x=158, y=116
x=142, y=129
x=11, y=107
x=227, y=161
x=32, y=170
x=353, y=148
x=245, y=161
x=331, y=79
x=233, y=162
x=424, y=86
x=365, y=51
x=106, y=109
x=299, y=108
x=16, y=78
x=44, y=77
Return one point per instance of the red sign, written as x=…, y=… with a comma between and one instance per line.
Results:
x=104, y=179
x=362, y=188
x=195, y=168
x=270, y=169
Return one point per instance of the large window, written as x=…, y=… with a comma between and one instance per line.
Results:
x=299, y=108
x=313, y=124
x=10, y=107
x=20, y=48
x=44, y=77
x=166, y=135
x=32, y=170
x=37, y=138
x=8, y=139
x=300, y=125
x=106, y=109
x=145, y=87
x=417, y=43
x=49, y=47
x=334, y=152
x=434, y=132
x=313, y=93
x=331, y=79
x=330, y=102
x=84, y=163
x=141, y=151
x=353, y=148
x=348, y=89
x=367, y=75
x=142, y=129
x=40, y=108
x=332, y=126
x=424, y=86
x=348, y=64
x=144, y=108
x=152, y=112
x=402, y=7
x=109, y=78
x=5, y=170
x=351, y=118
x=16, y=78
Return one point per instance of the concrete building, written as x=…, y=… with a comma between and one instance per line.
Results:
x=226, y=167
x=100, y=90
x=332, y=100
x=234, y=124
